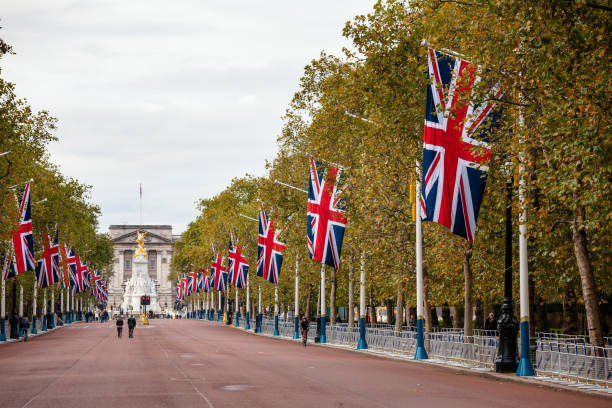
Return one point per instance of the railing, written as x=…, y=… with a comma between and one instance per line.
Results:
x=575, y=363
x=473, y=351
x=391, y=340
x=341, y=334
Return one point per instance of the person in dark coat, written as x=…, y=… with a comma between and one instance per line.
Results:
x=131, y=324
x=119, y=326
x=25, y=325
x=491, y=323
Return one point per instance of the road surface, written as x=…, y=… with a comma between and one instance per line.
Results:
x=191, y=363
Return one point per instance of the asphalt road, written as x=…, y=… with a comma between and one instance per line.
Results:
x=190, y=363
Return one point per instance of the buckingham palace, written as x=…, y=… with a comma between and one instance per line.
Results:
x=159, y=242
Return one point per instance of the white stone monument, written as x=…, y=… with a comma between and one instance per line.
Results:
x=140, y=284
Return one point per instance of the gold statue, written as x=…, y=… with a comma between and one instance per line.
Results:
x=140, y=250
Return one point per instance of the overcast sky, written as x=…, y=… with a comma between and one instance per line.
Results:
x=182, y=96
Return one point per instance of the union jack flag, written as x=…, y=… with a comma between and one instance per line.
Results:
x=453, y=172
x=47, y=268
x=80, y=276
x=205, y=282
x=269, y=249
x=23, y=242
x=192, y=283
x=102, y=291
x=184, y=286
x=219, y=273
x=238, y=265
x=179, y=289
x=200, y=281
x=94, y=278
x=70, y=261
x=8, y=266
x=326, y=221
x=65, y=275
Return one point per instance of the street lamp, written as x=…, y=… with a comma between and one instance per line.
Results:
x=506, y=359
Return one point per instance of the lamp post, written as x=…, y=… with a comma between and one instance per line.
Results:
x=506, y=360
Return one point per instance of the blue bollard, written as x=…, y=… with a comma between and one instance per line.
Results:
x=2, y=330
x=276, y=325
x=237, y=317
x=296, y=328
x=525, y=367
x=247, y=323
x=44, y=323
x=33, y=331
x=323, y=338
x=362, y=344
x=421, y=353
x=67, y=318
x=19, y=330
x=51, y=323
x=258, y=324
x=220, y=315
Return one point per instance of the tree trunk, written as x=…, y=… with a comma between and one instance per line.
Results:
x=589, y=291
x=332, y=298
x=467, y=275
x=399, y=306
x=389, y=310
x=351, y=295
x=570, y=311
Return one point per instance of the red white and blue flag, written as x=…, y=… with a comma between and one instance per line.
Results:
x=65, y=274
x=72, y=269
x=269, y=249
x=326, y=219
x=22, y=240
x=192, y=283
x=206, y=279
x=94, y=279
x=47, y=267
x=202, y=276
x=238, y=265
x=456, y=149
x=179, y=289
x=219, y=273
x=80, y=276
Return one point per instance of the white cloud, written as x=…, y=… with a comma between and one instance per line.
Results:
x=162, y=92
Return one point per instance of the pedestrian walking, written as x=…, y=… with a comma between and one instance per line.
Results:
x=131, y=324
x=491, y=323
x=25, y=325
x=119, y=326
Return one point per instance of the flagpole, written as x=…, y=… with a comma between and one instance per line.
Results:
x=258, y=321
x=296, y=305
x=220, y=310
x=140, y=207
x=67, y=305
x=51, y=324
x=3, y=309
x=421, y=353
x=237, y=323
x=362, y=344
x=525, y=367
x=34, y=296
x=323, y=338
x=247, y=324
x=44, y=317
x=276, y=333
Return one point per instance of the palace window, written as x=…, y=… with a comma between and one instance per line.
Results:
x=127, y=266
x=152, y=256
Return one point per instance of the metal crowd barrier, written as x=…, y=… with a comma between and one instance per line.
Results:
x=342, y=334
x=580, y=364
x=473, y=351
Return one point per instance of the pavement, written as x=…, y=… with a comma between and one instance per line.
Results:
x=194, y=363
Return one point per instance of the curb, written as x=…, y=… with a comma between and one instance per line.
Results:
x=32, y=336
x=533, y=381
